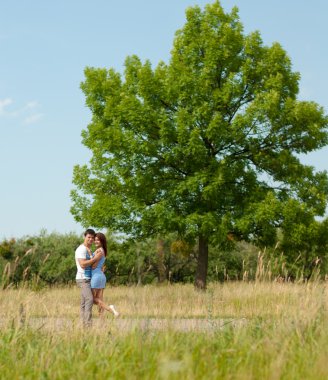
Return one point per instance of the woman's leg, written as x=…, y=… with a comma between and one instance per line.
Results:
x=99, y=301
x=101, y=297
x=94, y=294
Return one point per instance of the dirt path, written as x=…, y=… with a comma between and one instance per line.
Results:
x=130, y=324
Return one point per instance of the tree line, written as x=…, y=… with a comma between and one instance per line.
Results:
x=47, y=259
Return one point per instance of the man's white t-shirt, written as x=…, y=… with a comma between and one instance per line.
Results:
x=80, y=253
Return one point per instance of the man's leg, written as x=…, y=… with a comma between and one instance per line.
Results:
x=88, y=302
x=79, y=283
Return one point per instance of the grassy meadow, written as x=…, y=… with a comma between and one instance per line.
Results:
x=236, y=330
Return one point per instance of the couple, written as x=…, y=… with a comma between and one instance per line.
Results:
x=90, y=277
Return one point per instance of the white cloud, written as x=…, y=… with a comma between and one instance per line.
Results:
x=32, y=104
x=4, y=103
x=27, y=114
x=33, y=118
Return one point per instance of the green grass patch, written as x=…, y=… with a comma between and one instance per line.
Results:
x=263, y=349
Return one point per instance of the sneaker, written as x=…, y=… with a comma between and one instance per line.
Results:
x=115, y=312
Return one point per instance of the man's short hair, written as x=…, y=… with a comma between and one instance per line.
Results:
x=89, y=231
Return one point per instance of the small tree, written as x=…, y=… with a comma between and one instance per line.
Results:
x=204, y=145
x=7, y=249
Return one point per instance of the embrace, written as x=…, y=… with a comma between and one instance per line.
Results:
x=90, y=277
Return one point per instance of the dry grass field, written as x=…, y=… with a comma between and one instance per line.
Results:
x=236, y=330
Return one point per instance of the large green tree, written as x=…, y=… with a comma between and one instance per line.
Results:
x=203, y=145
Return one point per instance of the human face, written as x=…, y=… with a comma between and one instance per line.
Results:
x=88, y=240
x=97, y=242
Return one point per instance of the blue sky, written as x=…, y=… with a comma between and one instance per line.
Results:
x=45, y=46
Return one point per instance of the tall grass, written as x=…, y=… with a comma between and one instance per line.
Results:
x=228, y=300
x=259, y=351
x=284, y=334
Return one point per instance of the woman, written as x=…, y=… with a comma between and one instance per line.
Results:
x=98, y=278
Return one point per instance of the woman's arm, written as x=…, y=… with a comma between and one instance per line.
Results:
x=85, y=262
x=98, y=256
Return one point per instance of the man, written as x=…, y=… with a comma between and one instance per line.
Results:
x=83, y=275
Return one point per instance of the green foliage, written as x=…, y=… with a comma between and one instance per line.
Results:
x=48, y=259
x=305, y=243
x=6, y=249
x=43, y=259
x=136, y=262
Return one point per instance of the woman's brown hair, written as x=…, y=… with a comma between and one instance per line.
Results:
x=103, y=241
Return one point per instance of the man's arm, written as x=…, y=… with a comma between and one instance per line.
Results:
x=86, y=263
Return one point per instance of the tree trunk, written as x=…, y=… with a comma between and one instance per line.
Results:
x=139, y=266
x=160, y=261
x=202, y=263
